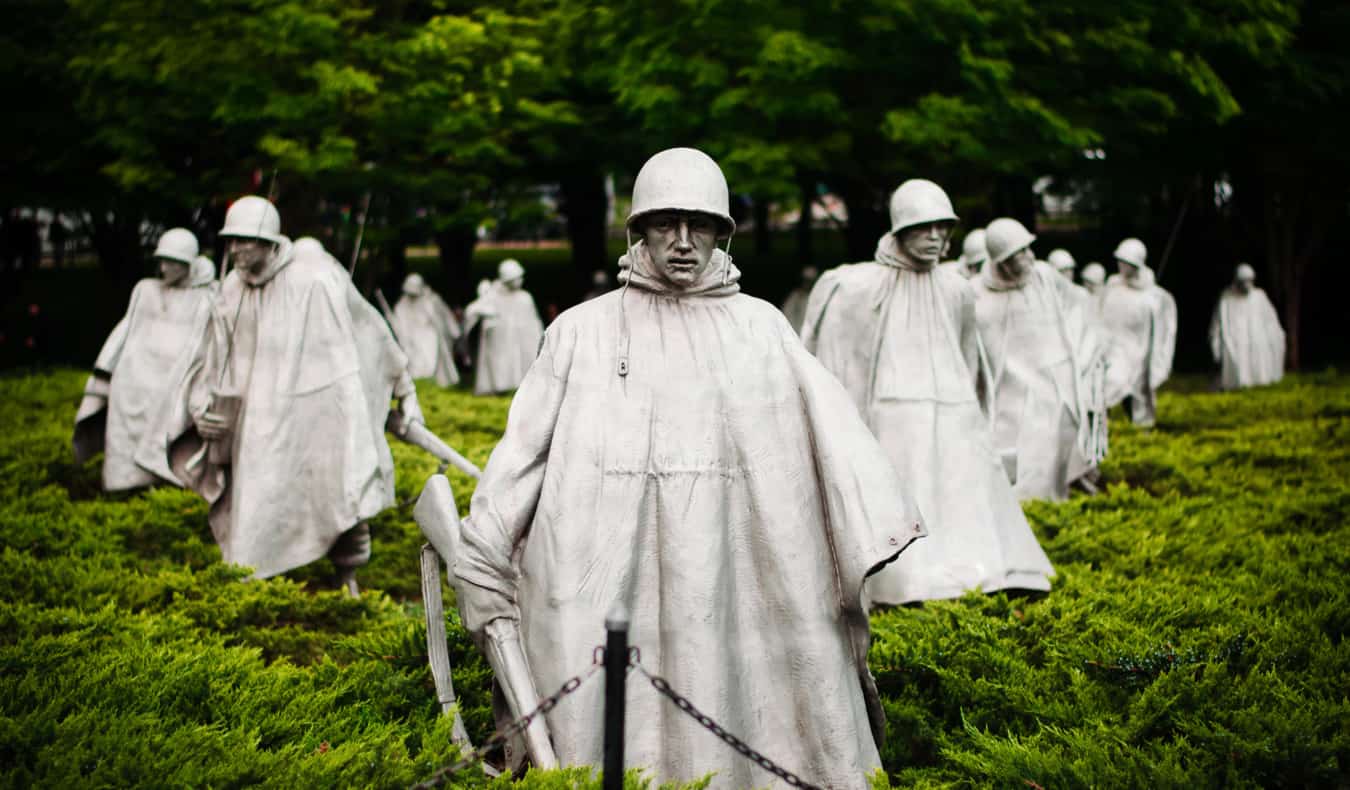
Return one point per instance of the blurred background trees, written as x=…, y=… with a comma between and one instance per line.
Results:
x=1211, y=129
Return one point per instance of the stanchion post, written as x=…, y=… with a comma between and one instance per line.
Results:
x=616, y=673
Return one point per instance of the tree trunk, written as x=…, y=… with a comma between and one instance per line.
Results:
x=116, y=238
x=1013, y=197
x=763, y=235
x=867, y=220
x=585, y=205
x=455, y=247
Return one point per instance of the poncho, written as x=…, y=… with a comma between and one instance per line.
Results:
x=1140, y=320
x=1246, y=339
x=162, y=326
x=794, y=307
x=508, y=340
x=904, y=343
x=315, y=367
x=726, y=490
x=427, y=331
x=1037, y=405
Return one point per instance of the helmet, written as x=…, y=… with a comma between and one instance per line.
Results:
x=177, y=244
x=252, y=217
x=203, y=270
x=919, y=201
x=1060, y=259
x=973, y=250
x=413, y=285
x=510, y=269
x=1005, y=237
x=683, y=179
x=1245, y=273
x=306, y=246
x=1132, y=251
x=483, y=287
x=1094, y=273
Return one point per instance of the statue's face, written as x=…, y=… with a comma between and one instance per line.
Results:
x=251, y=255
x=1015, y=266
x=514, y=285
x=1128, y=270
x=1092, y=288
x=681, y=245
x=172, y=272
x=924, y=243
x=1244, y=286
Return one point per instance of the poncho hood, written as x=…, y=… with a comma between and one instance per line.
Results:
x=994, y=278
x=637, y=269
x=888, y=253
x=284, y=255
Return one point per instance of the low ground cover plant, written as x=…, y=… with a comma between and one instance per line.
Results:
x=1194, y=636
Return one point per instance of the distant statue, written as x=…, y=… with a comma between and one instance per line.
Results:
x=1093, y=278
x=675, y=451
x=427, y=331
x=280, y=423
x=902, y=336
x=1245, y=335
x=1044, y=422
x=600, y=285
x=509, y=340
x=131, y=383
x=973, y=255
x=794, y=307
x=1062, y=262
x=1141, y=321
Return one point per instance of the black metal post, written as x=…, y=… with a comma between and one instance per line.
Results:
x=616, y=672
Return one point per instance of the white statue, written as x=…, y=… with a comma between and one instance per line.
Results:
x=1062, y=261
x=1093, y=277
x=600, y=285
x=973, y=255
x=427, y=331
x=1039, y=402
x=794, y=307
x=133, y=374
x=902, y=337
x=1245, y=335
x=675, y=450
x=1140, y=319
x=508, y=343
x=281, y=425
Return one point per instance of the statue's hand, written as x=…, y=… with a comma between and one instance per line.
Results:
x=211, y=426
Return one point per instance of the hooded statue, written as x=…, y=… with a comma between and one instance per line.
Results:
x=134, y=371
x=280, y=421
x=509, y=340
x=794, y=307
x=1245, y=335
x=675, y=450
x=1141, y=321
x=1031, y=325
x=900, y=333
x=427, y=331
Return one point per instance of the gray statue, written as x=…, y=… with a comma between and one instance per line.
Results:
x=676, y=451
x=427, y=331
x=139, y=360
x=1141, y=321
x=794, y=307
x=973, y=255
x=1245, y=335
x=1029, y=316
x=1093, y=277
x=281, y=424
x=600, y=285
x=508, y=342
x=901, y=335
x=1062, y=262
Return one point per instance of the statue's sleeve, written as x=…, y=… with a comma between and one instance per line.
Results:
x=502, y=508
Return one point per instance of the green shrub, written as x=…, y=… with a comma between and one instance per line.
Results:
x=1195, y=635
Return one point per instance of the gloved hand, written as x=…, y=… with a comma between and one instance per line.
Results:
x=211, y=426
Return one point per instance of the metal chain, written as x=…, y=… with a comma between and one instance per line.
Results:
x=660, y=684
x=510, y=731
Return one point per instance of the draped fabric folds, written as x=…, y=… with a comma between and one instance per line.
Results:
x=1140, y=320
x=427, y=331
x=1246, y=339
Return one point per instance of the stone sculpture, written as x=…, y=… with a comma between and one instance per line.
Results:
x=901, y=335
x=973, y=255
x=600, y=285
x=1140, y=319
x=1245, y=335
x=1093, y=277
x=427, y=331
x=675, y=450
x=1044, y=426
x=509, y=340
x=132, y=375
x=794, y=307
x=1062, y=262
x=280, y=424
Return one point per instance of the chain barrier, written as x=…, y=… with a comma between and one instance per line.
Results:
x=659, y=683
x=504, y=734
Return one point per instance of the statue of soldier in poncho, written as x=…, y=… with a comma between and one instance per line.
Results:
x=509, y=340
x=1245, y=335
x=132, y=376
x=676, y=450
x=973, y=255
x=794, y=307
x=427, y=331
x=1093, y=278
x=1140, y=320
x=280, y=424
x=1062, y=262
x=1030, y=323
x=900, y=333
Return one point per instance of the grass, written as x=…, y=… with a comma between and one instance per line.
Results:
x=1195, y=635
